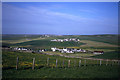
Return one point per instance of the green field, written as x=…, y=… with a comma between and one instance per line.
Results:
x=91, y=70
x=107, y=43
x=48, y=44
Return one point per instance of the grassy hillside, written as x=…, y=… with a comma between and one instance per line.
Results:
x=111, y=39
x=106, y=43
x=91, y=70
x=109, y=55
x=18, y=36
x=48, y=44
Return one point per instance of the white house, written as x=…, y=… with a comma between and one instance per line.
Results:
x=41, y=50
x=98, y=52
x=53, y=49
x=78, y=40
x=66, y=40
x=19, y=49
x=65, y=49
x=54, y=40
x=23, y=49
x=69, y=52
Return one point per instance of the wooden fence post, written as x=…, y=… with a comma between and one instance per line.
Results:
x=100, y=62
x=47, y=61
x=17, y=63
x=85, y=63
x=79, y=63
x=118, y=62
x=74, y=63
x=33, y=64
x=63, y=63
x=107, y=62
x=112, y=62
x=97, y=62
x=68, y=63
x=56, y=63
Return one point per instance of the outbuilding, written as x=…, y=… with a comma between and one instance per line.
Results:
x=98, y=52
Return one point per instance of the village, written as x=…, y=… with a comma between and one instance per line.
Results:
x=54, y=49
x=67, y=39
x=67, y=50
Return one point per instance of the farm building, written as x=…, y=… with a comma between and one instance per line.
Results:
x=42, y=50
x=98, y=52
x=23, y=49
x=53, y=49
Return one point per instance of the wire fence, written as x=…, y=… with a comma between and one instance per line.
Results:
x=62, y=63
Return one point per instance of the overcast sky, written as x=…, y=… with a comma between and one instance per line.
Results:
x=61, y=18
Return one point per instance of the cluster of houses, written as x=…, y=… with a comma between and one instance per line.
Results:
x=62, y=50
x=68, y=39
x=42, y=50
x=73, y=50
x=21, y=49
x=67, y=50
x=46, y=35
x=28, y=50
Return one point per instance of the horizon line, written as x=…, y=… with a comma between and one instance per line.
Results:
x=60, y=34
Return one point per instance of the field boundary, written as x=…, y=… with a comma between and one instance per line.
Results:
x=70, y=63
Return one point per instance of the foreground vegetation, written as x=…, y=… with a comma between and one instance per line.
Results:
x=92, y=69
x=83, y=72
